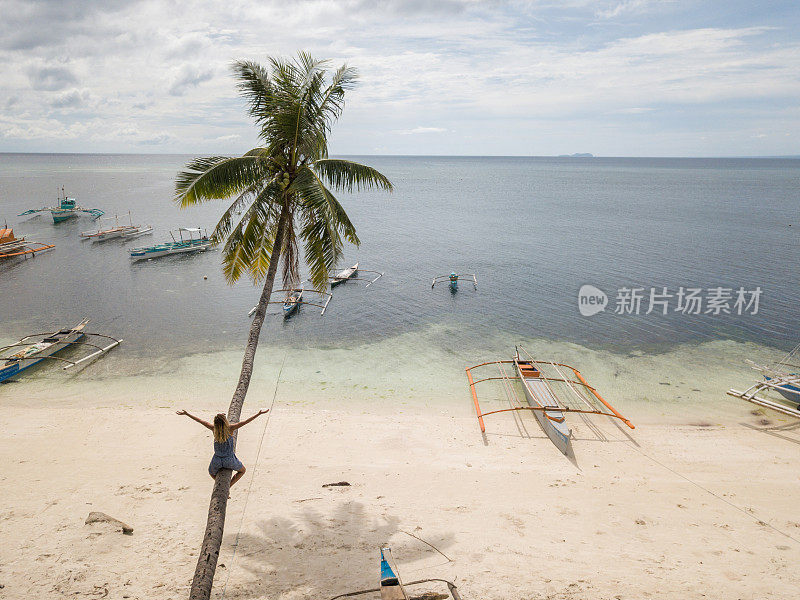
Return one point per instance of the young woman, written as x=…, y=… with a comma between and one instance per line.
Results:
x=224, y=455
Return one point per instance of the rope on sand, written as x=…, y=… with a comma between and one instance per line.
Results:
x=706, y=490
x=253, y=476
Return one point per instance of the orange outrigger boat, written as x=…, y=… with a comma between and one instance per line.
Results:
x=551, y=390
x=11, y=246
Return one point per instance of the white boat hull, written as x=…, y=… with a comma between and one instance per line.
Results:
x=539, y=395
x=344, y=275
x=137, y=232
x=110, y=235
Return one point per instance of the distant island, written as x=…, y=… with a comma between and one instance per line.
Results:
x=577, y=155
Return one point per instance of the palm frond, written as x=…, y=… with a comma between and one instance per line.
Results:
x=322, y=246
x=332, y=102
x=347, y=175
x=249, y=245
x=324, y=224
x=215, y=177
x=313, y=196
x=225, y=222
x=258, y=192
x=255, y=86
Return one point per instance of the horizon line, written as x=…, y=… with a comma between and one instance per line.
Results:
x=577, y=156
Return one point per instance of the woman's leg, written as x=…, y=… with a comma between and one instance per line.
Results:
x=238, y=475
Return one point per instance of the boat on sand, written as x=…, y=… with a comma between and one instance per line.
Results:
x=551, y=390
x=782, y=377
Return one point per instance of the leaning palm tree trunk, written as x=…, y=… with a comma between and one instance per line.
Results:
x=280, y=185
x=215, y=525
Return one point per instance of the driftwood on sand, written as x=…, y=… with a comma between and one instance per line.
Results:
x=99, y=517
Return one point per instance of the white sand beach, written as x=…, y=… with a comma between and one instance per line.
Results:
x=693, y=503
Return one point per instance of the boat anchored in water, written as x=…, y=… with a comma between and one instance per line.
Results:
x=551, y=389
x=453, y=280
x=66, y=209
x=293, y=300
x=116, y=231
x=188, y=240
x=351, y=274
x=25, y=354
x=11, y=246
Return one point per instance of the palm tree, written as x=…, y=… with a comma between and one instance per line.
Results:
x=283, y=196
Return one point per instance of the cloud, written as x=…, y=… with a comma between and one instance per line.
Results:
x=51, y=78
x=418, y=130
x=484, y=75
x=635, y=110
x=188, y=77
x=156, y=140
x=619, y=8
x=71, y=99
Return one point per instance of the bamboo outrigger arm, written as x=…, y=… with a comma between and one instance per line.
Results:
x=371, y=281
x=581, y=381
x=380, y=274
x=96, y=353
x=446, y=279
x=70, y=363
x=67, y=344
x=24, y=248
x=324, y=305
x=776, y=384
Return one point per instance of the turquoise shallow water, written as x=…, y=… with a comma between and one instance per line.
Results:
x=533, y=229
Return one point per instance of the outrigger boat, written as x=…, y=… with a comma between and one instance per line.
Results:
x=178, y=245
x=782, y=377
x=453, y=279
x=11, y=246
x=117, y=231
x=292, y=302
x=351, y=274
x=782, y=385
x=551, y=389
x=27, y=354
x=294, y=299
x=390, y=586
x=66, y=209
x=787, y=367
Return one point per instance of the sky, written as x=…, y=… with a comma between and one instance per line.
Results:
x=446, y=77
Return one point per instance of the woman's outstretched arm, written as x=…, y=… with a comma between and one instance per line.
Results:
x=199, y=420
x=246, y=421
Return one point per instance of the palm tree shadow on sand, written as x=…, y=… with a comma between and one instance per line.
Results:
x=320, y=555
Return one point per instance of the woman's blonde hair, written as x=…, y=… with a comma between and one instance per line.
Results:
x=222, y=429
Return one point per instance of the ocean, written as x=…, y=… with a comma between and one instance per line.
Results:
x=535, y=231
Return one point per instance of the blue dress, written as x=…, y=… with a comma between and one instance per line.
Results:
x=224, y=458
